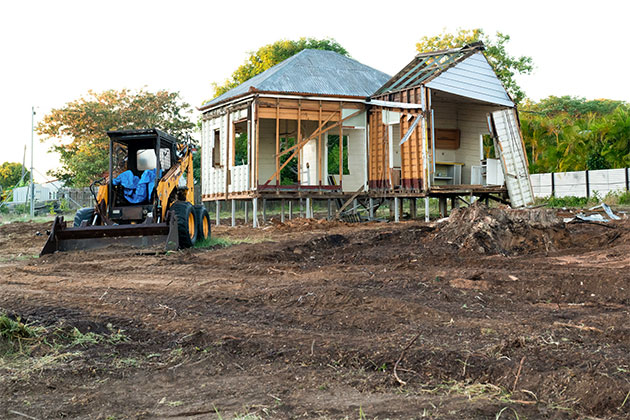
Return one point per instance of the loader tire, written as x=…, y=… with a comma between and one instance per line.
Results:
x=203, y=218
x=186, y=223
x=86, y=213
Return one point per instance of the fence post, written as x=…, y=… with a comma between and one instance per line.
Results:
x=588, y=186
x=627, y=181
x=553, y=185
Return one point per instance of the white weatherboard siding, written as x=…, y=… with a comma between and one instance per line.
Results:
x=213, y=179
x=473, y=78
x=356, y=160
x=513, y=157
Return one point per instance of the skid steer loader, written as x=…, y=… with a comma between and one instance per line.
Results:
x=145, y=201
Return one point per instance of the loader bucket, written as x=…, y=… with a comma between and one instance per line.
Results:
x=143, y=235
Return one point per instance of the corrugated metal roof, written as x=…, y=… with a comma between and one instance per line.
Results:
x=316, y=72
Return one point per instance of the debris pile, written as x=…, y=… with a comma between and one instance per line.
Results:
x=486, y=230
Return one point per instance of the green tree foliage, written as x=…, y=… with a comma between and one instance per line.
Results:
x=11, y=173
x=505, y=65
x=571, y=134
x=272, y=54
x=77, y=131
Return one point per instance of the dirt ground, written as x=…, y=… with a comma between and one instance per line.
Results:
x=480, y=316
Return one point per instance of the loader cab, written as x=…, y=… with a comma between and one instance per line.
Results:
x=137, y=161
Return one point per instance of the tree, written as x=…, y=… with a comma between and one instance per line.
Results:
x=11, y=173
x=85, y=122
x=272, y=54
x=505, y=65
x=571, y=134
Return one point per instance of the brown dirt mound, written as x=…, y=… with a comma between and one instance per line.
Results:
x=486, y=230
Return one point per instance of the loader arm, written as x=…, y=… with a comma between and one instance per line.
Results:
x=170, y=181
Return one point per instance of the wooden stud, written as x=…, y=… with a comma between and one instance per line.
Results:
x=340, y=145
x=298, y=139
x=277, y=174
x=320, y=159
x=257, y=147
x=299, y=146
x=320, y=130
x=227, y=153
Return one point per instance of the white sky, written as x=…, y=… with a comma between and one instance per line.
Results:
x=52, y=52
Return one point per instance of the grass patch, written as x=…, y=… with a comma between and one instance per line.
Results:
x=27, y=348
x=13, y=333
x=220, y=242
x=214, y=242
x=562, y=202
x=624, y=198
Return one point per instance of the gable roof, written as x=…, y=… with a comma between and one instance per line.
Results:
x=473, y=78
x=315, y=72
x=462, y=71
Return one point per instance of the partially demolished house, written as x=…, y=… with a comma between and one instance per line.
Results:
x=322, y=126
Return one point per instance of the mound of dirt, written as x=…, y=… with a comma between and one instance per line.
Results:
x=486, y=230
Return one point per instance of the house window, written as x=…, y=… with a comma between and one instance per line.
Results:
x=240, y=143
x=216, y=150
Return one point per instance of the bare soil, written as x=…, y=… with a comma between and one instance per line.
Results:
x=488, y=312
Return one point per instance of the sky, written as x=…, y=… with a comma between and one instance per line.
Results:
x=53, y=52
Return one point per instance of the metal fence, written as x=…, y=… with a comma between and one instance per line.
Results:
x=581, y=183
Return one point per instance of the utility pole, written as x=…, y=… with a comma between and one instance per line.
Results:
x=32, y=185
